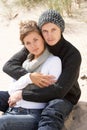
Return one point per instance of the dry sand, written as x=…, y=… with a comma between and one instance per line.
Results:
x=75, y=32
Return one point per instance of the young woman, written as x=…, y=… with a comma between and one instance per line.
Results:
x=38, y=60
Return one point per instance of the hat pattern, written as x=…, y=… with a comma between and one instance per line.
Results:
x=51, y=16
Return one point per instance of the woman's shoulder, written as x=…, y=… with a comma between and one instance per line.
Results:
x=52, y=60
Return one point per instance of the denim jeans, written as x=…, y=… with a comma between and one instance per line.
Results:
x=4, y=100
x=53, y=116
x=20, y=119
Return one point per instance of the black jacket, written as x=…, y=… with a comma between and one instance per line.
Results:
x=67, y=85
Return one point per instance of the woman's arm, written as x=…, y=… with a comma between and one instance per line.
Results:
x=13, y=67
x=20, y=83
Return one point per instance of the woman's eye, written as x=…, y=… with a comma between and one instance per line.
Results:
x=35, y=40
x=27, y=43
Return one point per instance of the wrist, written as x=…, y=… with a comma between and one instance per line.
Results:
x=20, y=94
x=30, y=75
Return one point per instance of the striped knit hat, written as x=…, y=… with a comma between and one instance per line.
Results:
x=51, y=16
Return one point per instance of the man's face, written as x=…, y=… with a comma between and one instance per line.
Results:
x=51, y=33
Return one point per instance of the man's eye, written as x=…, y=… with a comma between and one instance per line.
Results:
x=44, y=31
x=53, y=29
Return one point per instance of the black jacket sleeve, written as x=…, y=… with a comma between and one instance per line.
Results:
x=67, y=79
x=13, y=67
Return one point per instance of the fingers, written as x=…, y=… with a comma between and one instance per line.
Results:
x=42, y=80
x=11, y=102
x=46, y=82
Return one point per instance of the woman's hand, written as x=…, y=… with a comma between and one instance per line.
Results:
x=16, y=96
x=42, y=80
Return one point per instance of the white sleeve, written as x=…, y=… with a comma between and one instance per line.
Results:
x=52, y=66
x=55, y=67
x=20, y=83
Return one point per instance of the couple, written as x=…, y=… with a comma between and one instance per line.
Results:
x=60, y=97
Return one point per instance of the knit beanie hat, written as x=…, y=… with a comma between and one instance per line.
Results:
x=51, y=16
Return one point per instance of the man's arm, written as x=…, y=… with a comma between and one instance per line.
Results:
x=67, y=79
x=13, y=67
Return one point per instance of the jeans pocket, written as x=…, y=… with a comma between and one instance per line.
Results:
x=11, y=111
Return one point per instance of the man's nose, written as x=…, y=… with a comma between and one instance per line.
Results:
x=49, y=34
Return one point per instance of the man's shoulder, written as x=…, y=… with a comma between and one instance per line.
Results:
x=71, y=51
x=71, y=47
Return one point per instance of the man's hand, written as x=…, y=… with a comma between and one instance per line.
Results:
x=16, y=96
x=42, y=80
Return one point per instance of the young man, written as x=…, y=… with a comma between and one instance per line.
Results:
x=63, y=95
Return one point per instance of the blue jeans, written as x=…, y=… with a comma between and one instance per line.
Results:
x=20, y=119
x=4, y=100
x=53, y=116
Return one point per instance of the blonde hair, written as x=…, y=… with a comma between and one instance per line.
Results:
x=27, y=27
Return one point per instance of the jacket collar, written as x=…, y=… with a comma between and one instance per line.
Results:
x=58, y=46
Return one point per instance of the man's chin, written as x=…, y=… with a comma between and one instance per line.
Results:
x=51, y=43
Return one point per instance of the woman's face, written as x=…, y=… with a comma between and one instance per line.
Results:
x=34, y=43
